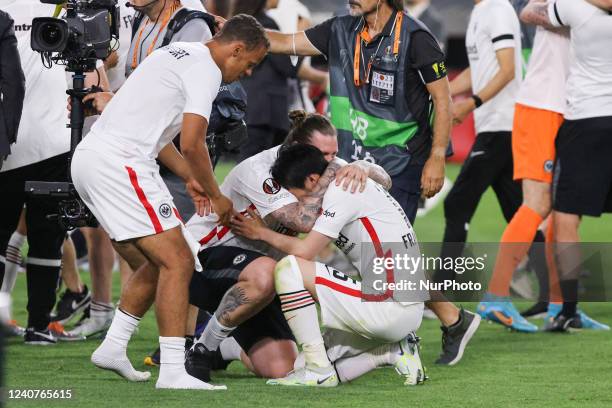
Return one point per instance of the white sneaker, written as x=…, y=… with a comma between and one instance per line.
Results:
x=409, y=364
x=92, y=326
x=308, y=377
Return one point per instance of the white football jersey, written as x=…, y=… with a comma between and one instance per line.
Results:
x=248, y=185
x=589, y=86
x=493, y=26
x=368, y=224
x=147, y=112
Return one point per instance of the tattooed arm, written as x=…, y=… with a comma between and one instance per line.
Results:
x=301, y=216
x=373, y=171
x=536, y=12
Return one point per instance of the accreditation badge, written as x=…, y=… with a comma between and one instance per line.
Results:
x=382, y=87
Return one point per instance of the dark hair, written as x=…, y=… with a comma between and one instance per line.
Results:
x=219, y=7
x=396, y=4
x=250, y=7
x=304, y=124
x=246, y=29
x=295, y=163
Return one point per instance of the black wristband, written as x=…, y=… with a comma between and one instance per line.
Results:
x=477, y=101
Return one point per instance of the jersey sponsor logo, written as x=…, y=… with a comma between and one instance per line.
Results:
x=239, y=259
x=177, y=52
x=439, y=69
x=271, y=186
x=344, y=244
x=409, y=240
x=165, y=210
x=548, y=166
x=329, y=214
x=23, y=27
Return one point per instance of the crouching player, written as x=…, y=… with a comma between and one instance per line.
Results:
x=237, y=283
x=360, y=335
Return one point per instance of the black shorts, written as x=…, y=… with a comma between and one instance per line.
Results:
x=222, y=266
x=582, y=180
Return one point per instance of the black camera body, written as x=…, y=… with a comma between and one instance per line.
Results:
x=82, y=37
x=72, y=212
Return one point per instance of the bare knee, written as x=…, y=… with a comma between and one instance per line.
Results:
x=259, y=275
x=536, y=195
x=273, y=358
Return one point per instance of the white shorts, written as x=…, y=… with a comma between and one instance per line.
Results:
x=127, y=197
x=344, y=309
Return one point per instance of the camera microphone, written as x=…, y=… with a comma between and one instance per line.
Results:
x=138, y=8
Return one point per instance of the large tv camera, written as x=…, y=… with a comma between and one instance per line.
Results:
x=82, y=37
x=77, y=41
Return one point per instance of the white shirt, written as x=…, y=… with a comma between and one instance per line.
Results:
x=544, y=83
x=195, y=30
x=116, y=74
x=248, y=185
x=42, y=131
x=367, y=225
x=493, y=26
x=589, y=86
x=147, y=112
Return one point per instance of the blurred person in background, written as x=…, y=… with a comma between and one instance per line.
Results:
x=12, y=93
x=582, y=179
x=267, y=89
x=428, y=15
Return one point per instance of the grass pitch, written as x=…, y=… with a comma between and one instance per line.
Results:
x=499, y=369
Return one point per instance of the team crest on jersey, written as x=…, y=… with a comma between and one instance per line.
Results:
x=239, y=259
x=548, y=166
x=271, y=186
x=165, y=210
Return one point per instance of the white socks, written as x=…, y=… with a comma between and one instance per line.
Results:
x=353, y=367
x=12, y=262
x=214, y=334
x=300, y=311
x=230, y=349
x=172, y=373
x=111, y=354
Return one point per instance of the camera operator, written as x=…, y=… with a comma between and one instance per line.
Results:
x=41, y=153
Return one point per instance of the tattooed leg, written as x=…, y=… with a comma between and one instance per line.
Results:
x=253, y=291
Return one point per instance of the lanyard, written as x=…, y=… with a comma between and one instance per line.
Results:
x=169, y=12
x=364, y=36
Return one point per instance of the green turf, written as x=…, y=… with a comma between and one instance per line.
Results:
x=500, y=369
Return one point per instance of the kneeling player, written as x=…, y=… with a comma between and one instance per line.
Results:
x=361, y=334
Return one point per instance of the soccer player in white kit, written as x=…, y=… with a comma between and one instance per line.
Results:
x=354, y=323
x=115, y=173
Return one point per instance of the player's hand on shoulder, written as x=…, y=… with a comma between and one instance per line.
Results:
x=352, y=175
x=250, y=226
